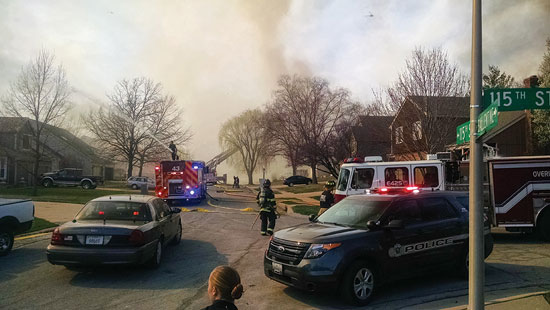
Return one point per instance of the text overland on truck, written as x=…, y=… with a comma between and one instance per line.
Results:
x=519, y=187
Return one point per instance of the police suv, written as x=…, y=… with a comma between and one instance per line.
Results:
x=366, y=240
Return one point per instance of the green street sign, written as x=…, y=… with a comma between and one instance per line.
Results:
x=463, y=133
x=486, y=121
x=517, y=99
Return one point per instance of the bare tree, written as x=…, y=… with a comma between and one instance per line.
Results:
x=139, y=123
x=247, y=134
x=430, y=96
x=40, y=93
x=541, y=118
x=308, y=113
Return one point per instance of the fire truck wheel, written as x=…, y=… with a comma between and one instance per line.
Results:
x=544, y=225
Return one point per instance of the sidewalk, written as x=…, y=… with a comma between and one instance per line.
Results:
x=531, y=301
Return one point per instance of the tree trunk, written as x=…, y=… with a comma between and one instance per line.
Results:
x=130, y=166
x=250, y=177
x=35, y=175
x=141, y=163
x=314, y=172
x=294, y=168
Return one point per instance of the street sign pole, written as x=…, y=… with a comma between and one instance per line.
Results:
x=476, y=270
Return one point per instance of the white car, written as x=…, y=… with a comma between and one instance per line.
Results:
x=136, y=182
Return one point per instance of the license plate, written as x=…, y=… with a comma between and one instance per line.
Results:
x=94, y=240
x=277, y=268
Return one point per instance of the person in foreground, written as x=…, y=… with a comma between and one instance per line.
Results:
x=224, y=286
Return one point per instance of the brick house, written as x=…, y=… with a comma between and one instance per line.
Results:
x=61, y=149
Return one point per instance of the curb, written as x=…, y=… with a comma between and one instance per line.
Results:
x=545, y=294
x=36, y=232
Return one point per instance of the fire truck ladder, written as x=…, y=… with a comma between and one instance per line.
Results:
x=218, y=159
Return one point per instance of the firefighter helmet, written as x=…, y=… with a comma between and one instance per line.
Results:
x=267, y=183
x=330, y=184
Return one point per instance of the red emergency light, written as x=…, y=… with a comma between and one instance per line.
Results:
x=101, y=213
x=157, y=167
x=353, y=160
x=136, y=213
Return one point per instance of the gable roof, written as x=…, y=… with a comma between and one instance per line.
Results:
x=11, y=124
x=442, y=106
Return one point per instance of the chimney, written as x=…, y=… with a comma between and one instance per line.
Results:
x=531, y=82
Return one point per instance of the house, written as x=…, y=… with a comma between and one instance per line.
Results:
x=425, y=125
x=61, y=149
x=372, y=136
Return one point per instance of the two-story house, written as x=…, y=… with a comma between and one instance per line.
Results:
x=372, y=136
x=425, y=125
x=61, y=149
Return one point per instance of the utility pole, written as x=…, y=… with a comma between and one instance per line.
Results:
x=476, y=270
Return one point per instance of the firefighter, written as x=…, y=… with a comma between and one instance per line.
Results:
x=266, y=201
x=174, y=150
x=327, y=198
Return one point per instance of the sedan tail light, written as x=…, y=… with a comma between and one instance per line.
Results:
x=57, y=237
x=137, y=238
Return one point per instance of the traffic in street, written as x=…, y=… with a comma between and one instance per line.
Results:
x=220, y=234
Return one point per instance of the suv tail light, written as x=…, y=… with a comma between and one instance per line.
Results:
x=137, y=238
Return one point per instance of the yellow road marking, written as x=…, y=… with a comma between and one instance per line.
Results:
x=31, y=236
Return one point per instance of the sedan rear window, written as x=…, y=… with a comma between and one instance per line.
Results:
x=114, y=211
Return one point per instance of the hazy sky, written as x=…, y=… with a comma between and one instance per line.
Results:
x=221, y=57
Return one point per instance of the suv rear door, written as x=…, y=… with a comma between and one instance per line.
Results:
x=442, y=229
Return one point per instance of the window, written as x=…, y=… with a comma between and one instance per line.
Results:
x=417, y=130
x=399, y=135
x=26, y=142
x=161, y=208
x=426, y=176
x=114, y=210
x=3, y=168
x=398, y=176
x=408, y=211
x=362, y=178
x=343, y=180
x=434, y=209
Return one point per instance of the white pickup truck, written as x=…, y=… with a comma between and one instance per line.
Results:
x=16, y=216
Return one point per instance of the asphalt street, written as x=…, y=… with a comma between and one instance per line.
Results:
x=220, y=234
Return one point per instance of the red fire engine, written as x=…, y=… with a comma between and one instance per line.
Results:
x=520, y=193
x=180, y=180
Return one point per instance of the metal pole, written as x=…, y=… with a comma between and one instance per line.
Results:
x=476, y=270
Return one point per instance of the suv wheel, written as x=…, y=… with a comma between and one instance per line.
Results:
x=47, y=183
x=6, y=242
x=358, y=284
x=134, y=186
x=86, y=185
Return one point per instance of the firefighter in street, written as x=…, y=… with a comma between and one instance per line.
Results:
x=266, y=201
x=327, y=198
x=174, y=150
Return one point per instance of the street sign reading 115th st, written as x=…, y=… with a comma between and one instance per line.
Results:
x=517, y=99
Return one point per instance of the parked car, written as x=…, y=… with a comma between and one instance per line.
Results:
x=121, y=229
x=366, y=240
x=137, y=182
x=16, y=216
x=70, y=177
x=297, y=179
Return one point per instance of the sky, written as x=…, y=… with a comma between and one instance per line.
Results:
x=222, y=57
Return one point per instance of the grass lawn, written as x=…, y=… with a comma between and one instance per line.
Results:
x=39, y=224
x=305, y=209
x=297, y=189
x=61, y=194
x=289, y=202
x=116, y=184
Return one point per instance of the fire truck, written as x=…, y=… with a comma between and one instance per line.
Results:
x=520, y=193
x=180, y=180
x=518, y=187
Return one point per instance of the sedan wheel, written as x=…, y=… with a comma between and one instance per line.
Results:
x=155, y=261
x=290, y=184
x=6, y=242
x=134, y=186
